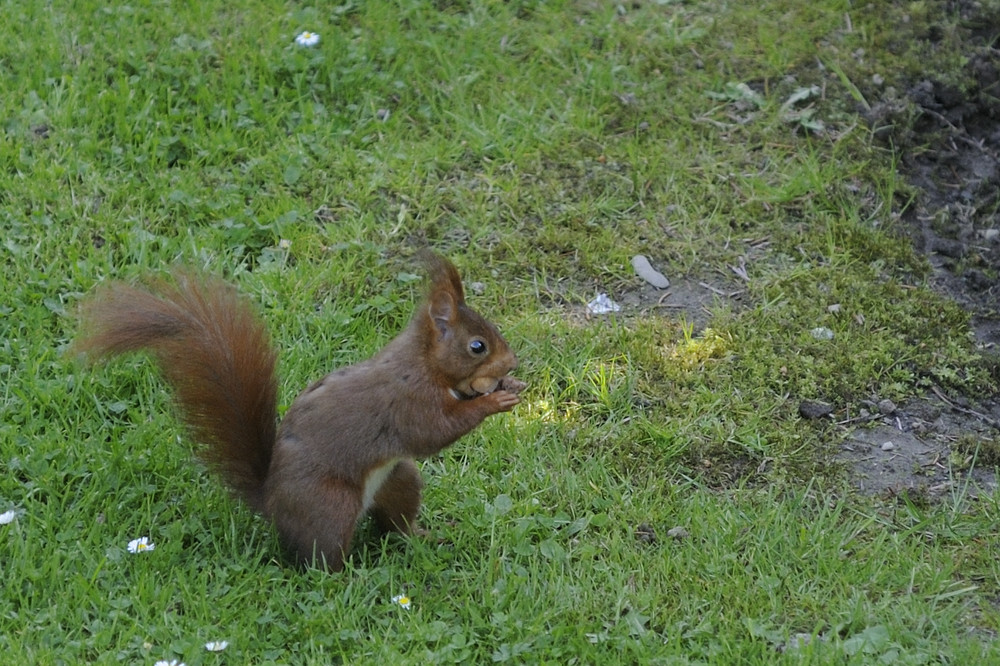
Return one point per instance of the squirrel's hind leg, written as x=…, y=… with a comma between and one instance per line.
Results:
x=397, y=500
x=318, y=523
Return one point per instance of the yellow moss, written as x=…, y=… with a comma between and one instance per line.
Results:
x=693, y=352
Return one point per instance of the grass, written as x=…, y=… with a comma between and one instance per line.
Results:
x=539, y=145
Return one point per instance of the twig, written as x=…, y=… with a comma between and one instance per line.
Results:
x=960, y=133
x=858, y=419
x=719, y=291
x=970, y=412
x=741, y=270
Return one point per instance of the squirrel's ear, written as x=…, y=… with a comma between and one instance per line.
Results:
x=443, y=275
x=445, y=293
x=443, y=311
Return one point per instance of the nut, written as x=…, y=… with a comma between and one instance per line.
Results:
x=484, y=384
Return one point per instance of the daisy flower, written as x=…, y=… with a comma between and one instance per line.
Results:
x=307, y=39
x=216, y=646
x=140, y=545
x=402, y=600
x=7, y=517
x=172, y=662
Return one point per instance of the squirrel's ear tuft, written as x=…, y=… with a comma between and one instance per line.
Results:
x=443, y=277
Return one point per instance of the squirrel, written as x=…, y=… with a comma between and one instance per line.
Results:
x=347, y=445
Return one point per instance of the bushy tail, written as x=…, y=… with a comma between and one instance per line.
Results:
x=215, y=353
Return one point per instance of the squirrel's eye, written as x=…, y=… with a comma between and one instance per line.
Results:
x=477, y=347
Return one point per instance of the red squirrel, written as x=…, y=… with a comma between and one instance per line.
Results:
x=347, y=444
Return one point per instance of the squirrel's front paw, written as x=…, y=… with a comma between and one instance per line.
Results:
x=511, y=384
x=503, y=401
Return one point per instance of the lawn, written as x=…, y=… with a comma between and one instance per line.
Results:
x=657, y=497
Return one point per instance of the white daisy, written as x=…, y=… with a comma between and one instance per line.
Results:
x=402, y=600
x=216, y=646
x=7, y=517
x=172, y=662
x=140, y=545
x=307, y=39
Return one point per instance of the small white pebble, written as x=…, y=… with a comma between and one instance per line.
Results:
x=822, y=333
x=678, y=533
x=888, y=446
x=799, y=641
x=646, y=271
x=886, y=406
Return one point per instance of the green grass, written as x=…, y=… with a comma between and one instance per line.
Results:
x=540, y=146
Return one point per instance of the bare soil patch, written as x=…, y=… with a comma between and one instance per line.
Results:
x=690, y=298
x=925, y=450
x=947, y=136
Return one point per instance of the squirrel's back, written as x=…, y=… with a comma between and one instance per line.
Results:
x=214, y=352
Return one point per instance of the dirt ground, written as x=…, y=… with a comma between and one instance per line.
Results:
x=950, y=153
